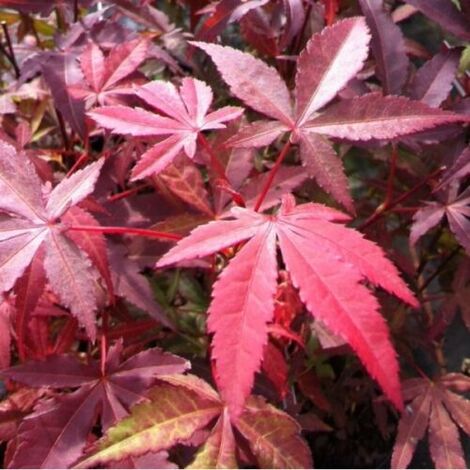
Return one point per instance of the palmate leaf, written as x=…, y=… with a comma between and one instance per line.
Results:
x=327, y=263
x=36, y=221
x=435, y=407
x=184, y=404
x=330, y=59
x=60, y=427
x=457, y=212
x=106, y=76
x=185, y=116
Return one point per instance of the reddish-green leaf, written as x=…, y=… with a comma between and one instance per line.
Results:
x=274, y=437
x=172, y=415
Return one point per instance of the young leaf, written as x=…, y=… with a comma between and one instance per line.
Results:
x=327, y=263
x=186, y=112
x=243, y=304
x=105, y=77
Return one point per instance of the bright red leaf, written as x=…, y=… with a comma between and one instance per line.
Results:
x=327, y=263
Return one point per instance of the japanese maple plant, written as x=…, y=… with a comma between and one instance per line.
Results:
x=234, y=233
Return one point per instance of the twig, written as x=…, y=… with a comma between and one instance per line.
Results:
x=125, y=231
x=382, y=208
x=272, y=175
x=11, y=55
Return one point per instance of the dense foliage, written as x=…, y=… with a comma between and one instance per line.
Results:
x=234, y=233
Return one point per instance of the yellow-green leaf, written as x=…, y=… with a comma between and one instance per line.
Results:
x=219, y=449
x=171, y=416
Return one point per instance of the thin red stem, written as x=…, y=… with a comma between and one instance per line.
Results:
x=142, y=232
x=103, y=348
x=272, y=175
x=129, y=192
x=382, y=209
x=82, y=158
x=219, y=170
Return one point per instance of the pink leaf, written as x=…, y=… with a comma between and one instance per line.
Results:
x=349, y=245
x=187, y=117
x=327, y=63
x=18, y=247
x=424, y=220
x=19, y=185
x=29, y=289
x=93, y=66
x=164, y=97
x=257, y=134
x=123, y=60
x=459, y=222
x=333, y=293
x=326, y=270
x=73, y=278
x=134, y=121
x=252, y=81
x=73, y=189
x=444, y=442
x=373, y=116
x=242, y=305
x=92, y=243
x=158, y=157
x=321, y=162
x=212, y=237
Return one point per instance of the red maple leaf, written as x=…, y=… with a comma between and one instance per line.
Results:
x=326, y=262
x=434, y=406
x=108, y=77
x=330, y=59
x=66, y=421
x=39, y=220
